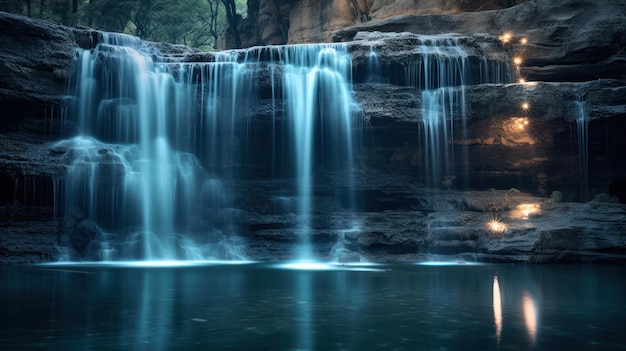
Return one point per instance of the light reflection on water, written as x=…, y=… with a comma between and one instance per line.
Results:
x=147, y=263
x=530, y=316
x=263, y=307
x=497, y=309
x=306, y=265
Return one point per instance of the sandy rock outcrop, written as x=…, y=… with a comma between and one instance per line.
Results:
x=314, y=21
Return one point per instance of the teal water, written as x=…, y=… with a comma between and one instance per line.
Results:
x=261, y=306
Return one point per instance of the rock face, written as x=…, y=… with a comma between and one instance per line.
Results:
x=548, y=206
x=566, y=41
x=39, y=56
x=313, y=21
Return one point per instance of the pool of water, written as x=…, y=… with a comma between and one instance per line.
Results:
x=263, y=306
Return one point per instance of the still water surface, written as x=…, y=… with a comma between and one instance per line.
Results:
x=265, y=307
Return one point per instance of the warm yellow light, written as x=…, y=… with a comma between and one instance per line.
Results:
x=506, y=37
x=520, y=122
x=525, y=106
x=524, y=211
x=530, y=316
x=523, y=41
x=496, y=226
x=497, y=308
x=522, y=81
x=517, y=60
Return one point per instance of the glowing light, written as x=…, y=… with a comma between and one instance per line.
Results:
x=530, y=316
x=517, y=60
x=525, y=106
x=526, y=83
x=449, y=263
x=307, y=265
x=496, y=226
x=152, y=263
x=325, y=266
x=520, y=123
x=506, y=37
x=524, y=211
x=497, y=308
x=523, y=41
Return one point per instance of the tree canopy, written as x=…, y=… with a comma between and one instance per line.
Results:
x=195, y=23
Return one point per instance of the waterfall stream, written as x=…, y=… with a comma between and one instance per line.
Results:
x=160, y=143
x=441, y=73
x=154, y=140
x=582, y=128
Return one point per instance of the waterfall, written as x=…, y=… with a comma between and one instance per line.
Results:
x=374, y=73
x=321, y=112
x=133, y=169
x=582, y=127
x=154, y=137
x=440, y=74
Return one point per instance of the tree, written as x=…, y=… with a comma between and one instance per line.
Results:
x=196, y=23
x=144, y=17
x=233, y=20
x=109, y=15
x=215, y=20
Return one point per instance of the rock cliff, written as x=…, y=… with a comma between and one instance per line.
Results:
x=519, y=169
x=315, y=21
x=39, y=56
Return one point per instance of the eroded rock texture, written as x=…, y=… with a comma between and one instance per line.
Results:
x=314, y=21
x=39, y=56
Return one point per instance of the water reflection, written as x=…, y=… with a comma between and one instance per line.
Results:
x=304, y=317
x=264, y=307
x=528, y=311
x=497, y=309
x=530, y=316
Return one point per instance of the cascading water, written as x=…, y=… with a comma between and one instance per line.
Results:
x=132, y=170
x=582, y=127
x=155, y=138
x=374, y=74
x=321, y=111
x=441, y=73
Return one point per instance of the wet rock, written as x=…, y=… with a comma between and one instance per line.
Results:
x=82, y=234
x=39, y=56
x=618, y=188
x=28, y=241
x=567, y=40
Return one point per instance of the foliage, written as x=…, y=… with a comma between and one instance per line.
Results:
x=603, y=197
x=196, y=23
x=556, y=197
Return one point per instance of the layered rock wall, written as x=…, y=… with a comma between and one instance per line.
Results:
x=39, y=57
x=574, y=53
